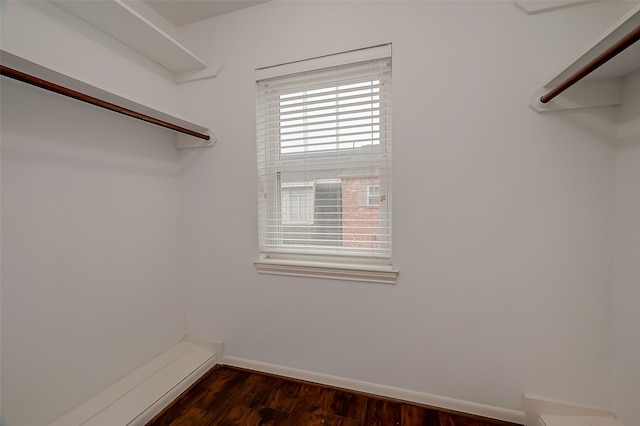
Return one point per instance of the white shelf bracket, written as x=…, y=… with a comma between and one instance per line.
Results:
x=585, y=94
x=189, y=76
x=188, y=142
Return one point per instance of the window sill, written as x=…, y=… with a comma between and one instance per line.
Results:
x=382, y=274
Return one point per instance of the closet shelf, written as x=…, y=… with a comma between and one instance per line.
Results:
x=125, y=24
x=59, y=78
x=603, y=86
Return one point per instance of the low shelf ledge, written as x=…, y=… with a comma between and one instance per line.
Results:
x=135, y=399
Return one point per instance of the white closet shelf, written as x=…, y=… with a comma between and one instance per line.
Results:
x=602, y=87
x=125, y=24
x=62, y=78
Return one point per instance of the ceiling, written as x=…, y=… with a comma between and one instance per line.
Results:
x=183, y=12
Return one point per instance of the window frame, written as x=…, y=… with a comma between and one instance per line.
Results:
x=322, y=265
x=374, y=196
x=285, y=202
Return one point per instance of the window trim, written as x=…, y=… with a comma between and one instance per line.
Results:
x=369, y=203
x=310, y=186
x=330, y=60
x=343, y=266
x=320, y=267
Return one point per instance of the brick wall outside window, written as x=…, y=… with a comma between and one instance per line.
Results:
x=358, y=218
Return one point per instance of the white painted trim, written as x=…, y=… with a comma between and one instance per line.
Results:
x=535, y=406
x=546, y=420
x=382, y=390
x=189, y=76
x=215, y=346
x=337, y=271
x=350, y=57
x=183, y=141
x=141, y=395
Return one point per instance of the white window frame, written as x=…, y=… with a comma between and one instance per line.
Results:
x=343, y=267
x=286, y=200
x=375, y=196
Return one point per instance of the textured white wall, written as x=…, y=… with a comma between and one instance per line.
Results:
x=626, y=288
x=502, y=216
x=90, y=219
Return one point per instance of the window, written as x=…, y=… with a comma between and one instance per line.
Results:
x=297, y=204
x=323, y=133
x=373, y=195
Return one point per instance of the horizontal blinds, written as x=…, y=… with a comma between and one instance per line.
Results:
x=324, y=160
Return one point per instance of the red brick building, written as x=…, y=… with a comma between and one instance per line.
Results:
x=361, y=212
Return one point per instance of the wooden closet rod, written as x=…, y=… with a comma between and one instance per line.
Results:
x=605, y=56
x=47, y=85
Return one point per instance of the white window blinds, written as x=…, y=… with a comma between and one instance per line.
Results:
x=324, y=153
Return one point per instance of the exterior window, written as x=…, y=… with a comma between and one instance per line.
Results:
x=373, y=195
x=297, y=205
x=323, y=134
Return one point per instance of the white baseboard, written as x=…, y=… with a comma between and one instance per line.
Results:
x=382, y=390
x=138, y=397
x=534, y=406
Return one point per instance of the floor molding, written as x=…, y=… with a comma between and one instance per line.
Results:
x=382, y=390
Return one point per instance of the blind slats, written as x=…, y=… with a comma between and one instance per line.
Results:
x=344, y=93
x=324, y=161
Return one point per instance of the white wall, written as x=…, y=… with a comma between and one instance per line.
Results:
x=90, y=248
x=91, y=222
x=626, y=288
x=502, y=216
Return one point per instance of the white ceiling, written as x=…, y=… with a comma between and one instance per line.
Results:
x=183, y=12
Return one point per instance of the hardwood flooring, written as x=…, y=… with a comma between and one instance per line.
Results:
x=229, y=396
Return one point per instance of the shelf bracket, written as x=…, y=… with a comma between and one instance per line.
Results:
x=187, y=142
x=585, y=94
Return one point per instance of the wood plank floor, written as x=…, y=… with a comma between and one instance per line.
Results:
x=233, y=396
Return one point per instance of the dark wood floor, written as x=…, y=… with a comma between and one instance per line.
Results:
x=234, y=396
